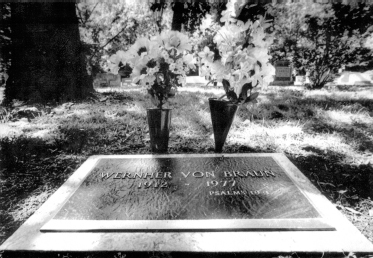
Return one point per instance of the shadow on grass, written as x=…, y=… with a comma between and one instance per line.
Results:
x=356, y=133
x=349, y=187
x=327, y=170
x=333, y=178
x=295, y=106
x=28, y=166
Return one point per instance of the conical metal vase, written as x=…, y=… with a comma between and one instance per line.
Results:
x=159, y=121
x=222, y=115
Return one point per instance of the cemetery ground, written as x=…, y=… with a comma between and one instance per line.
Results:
x=327, y=134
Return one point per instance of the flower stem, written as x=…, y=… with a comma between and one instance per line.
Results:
x=222, y=96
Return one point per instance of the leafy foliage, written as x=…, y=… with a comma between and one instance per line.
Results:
x=164, y=13
x=204, y=34
x=289, y=20
x=193, y=14
x=243, y=97
x=319, y=39
x=107, y=27
x=5, y=38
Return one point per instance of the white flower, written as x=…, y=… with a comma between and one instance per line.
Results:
x=205, y=71
x=179, y=62
x=244, y=71
x=238, y=64
x=147, y=81
x=142, y=46
x=206, y=55
x=182, y=80
x=137, y=70
x=227, y=38
x=165, y=54
x=218, y=70
x=268, y=72
x=174, y=40
x=259, y=38
x=228, y=13
x=152, y=71
x=244, y=26
x=234, y=8
x=172, y=67
x=116, y=59
x=190, y=61
x=257, y=78
x=169, y=60
x=206, y=23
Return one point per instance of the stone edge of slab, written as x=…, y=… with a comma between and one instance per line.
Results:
x=345, y=239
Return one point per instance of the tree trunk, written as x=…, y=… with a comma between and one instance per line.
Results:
x=48, y=62
x=177, y=19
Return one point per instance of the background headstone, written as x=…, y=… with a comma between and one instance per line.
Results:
x=283, y=74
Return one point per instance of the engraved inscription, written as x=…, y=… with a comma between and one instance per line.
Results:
x=187, y=188
x=217, y=193
x=284, y=72
x=126, y=175
x=195, y=174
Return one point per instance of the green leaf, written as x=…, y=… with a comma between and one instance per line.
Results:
x=232, y=96
x=252, y=97
x=226, y=85
x=245, y=88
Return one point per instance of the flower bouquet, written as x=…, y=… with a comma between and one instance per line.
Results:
x=239, y=59
x=159, y=65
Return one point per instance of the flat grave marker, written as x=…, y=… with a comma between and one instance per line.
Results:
x=175, y=194
x=191, y=203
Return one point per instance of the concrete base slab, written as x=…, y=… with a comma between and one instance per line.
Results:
x=199, y=81
x=281, y=83
x=344, y=239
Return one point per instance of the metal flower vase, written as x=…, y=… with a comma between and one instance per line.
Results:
x=222, y=115
x=159, y=121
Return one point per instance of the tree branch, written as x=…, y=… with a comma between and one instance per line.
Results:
x=79, y=13
x=91, y=12
x=93, y=55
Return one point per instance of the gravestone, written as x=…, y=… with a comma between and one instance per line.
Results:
x=107, y=80
x=255, y=192
x=299, y=80
x=188, y=203
x=114, y=80
x=283, y=74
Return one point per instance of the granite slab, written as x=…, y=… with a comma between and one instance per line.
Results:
x=188, y=203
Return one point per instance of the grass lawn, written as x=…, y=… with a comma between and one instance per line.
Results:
x=327, y=134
